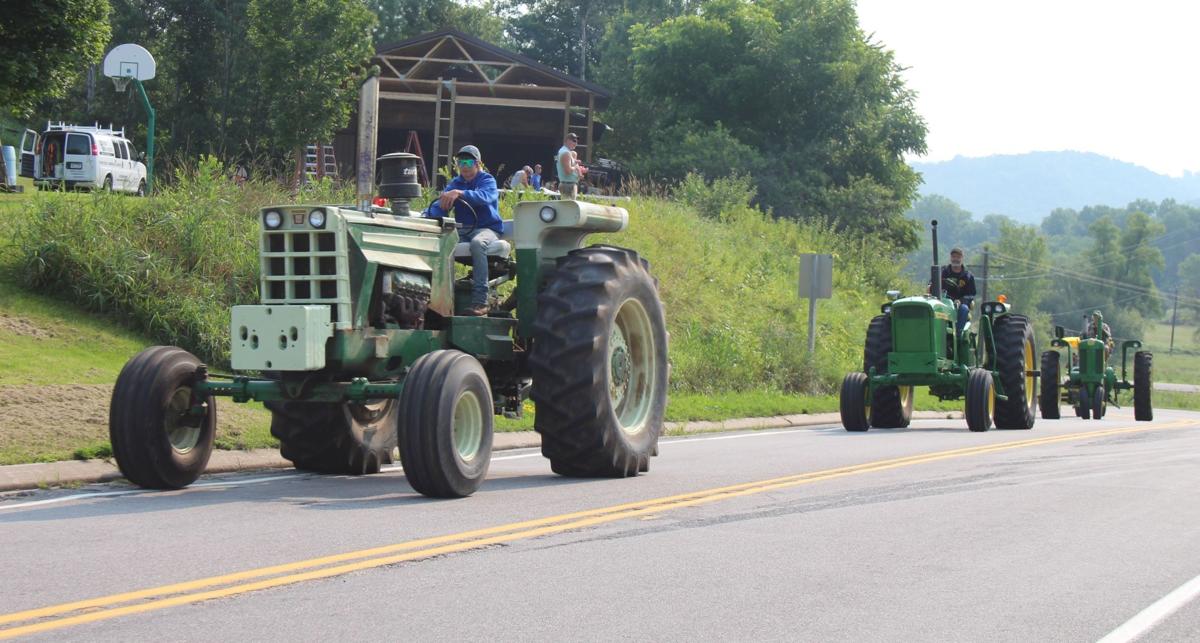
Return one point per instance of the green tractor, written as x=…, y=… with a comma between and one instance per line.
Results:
x=1091, y=383
x=914, y=343
x=358, y=348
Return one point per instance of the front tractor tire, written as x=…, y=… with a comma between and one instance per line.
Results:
x=1015, y=355
x=981, y=400
x=346, y=438
x=891, y=406
x=855, y=409
x=1143, y=385
x=599, y=364
x=1051, y=390
x=158, y=444
x=446, y=425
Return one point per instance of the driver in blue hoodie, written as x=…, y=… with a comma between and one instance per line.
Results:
x=475, y=200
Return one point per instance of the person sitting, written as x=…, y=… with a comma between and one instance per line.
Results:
x=1096, y=321
x=959, y=285
x=475, y=201
x=519, y=179
x=535, y=179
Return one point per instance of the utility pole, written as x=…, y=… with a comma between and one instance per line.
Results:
x=985, y=273
x=1174, y=315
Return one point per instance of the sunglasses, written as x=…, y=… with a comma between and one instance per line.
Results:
x=466, y=162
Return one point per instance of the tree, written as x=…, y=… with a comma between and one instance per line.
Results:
x=400, y=19
x=1141, y=259
x=797, y=81
x=45, y=46
x=1189, y=282
x=309, y=74
x=1025, y=244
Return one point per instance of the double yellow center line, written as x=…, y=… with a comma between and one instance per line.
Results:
x=157, y=598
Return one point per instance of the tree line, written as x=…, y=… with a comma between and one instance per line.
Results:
x=791, y=94
x=1129, y=262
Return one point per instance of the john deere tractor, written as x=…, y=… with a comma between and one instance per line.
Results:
x=1090, y=383
x=358, y=348
x=913, y=342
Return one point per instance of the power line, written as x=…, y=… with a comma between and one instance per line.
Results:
x=1098, y=281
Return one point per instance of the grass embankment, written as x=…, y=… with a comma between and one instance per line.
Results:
x=170, y=266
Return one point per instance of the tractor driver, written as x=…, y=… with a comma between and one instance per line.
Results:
x=1096, y=321
x=475, y=200
x=959, y=285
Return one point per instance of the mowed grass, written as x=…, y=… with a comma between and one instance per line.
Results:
x=57, y=366
x=1182, y=366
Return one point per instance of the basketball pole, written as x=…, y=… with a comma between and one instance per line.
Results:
x=149, y=135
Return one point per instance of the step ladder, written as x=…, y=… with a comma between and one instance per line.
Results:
x=584, y=132
x=319, y=161
x=443, y=129
x=413, y=146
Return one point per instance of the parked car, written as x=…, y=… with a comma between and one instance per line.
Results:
x=81, y=156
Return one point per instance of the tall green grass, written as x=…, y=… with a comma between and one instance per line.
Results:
x=172, y=265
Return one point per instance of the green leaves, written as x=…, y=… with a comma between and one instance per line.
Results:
x=309, y=53
x=45, y=46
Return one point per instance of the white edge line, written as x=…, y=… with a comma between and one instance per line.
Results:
x=1146, y=619
x=281, y=476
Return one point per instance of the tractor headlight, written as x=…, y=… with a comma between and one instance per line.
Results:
x=986, y=309
x=316, y=218
x=547, y=214
x=886, y=309
x=272, y=219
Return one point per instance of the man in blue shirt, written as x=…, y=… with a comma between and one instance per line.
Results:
x=475, y=200
x=536, y=179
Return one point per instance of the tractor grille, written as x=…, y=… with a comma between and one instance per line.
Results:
x=306, y=266
x=911, y=329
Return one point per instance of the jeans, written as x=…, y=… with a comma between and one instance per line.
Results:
x=481, y=239
x=964, y=313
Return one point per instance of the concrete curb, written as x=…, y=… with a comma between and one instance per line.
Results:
x=78, y=472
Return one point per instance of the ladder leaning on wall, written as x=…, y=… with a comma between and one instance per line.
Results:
x=443, y=129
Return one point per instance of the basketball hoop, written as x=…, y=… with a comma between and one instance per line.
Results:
x=121, y=83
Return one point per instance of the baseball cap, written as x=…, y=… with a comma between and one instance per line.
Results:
x=470, y=151
x=956, y=250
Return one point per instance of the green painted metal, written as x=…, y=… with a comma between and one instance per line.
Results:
x=487, y=338
x=244, y=389
x=529, y=283
x=381, y=353
x=1089, y=367
x=149, y=134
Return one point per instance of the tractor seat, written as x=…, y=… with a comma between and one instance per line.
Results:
x=501, y=248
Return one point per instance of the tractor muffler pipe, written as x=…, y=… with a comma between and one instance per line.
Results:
x=368, y=129
x=935, y=271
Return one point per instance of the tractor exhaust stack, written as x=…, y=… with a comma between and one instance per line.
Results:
x=935, y=277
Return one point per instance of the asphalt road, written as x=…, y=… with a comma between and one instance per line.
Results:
x=1064, y=533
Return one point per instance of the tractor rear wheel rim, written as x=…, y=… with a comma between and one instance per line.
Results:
x=631, y=354
x=1028, y=368
x=467, y=426
x=182, y=436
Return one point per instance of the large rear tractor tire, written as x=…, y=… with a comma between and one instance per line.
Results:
x=853, y=402
x=158, y=444
x=1015, y=359
x=347, y=438
x=1051, y=391
x=446, y=425
x=891, y=406
x=981, y=400
x=599, y=364
x=1143, y=386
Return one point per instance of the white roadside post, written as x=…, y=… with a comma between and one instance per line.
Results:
x=816, y=282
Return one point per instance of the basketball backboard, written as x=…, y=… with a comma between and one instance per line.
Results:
x=129, y=61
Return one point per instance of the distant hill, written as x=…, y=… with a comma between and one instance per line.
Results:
x=1028, y=186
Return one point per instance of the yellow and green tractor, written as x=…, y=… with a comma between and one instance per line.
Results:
x=1090, y=382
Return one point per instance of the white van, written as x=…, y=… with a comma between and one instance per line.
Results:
x=79, y=156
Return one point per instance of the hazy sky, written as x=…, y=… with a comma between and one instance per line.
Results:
x=1007, y=76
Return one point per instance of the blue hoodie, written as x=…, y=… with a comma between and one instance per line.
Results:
x=482, y=195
